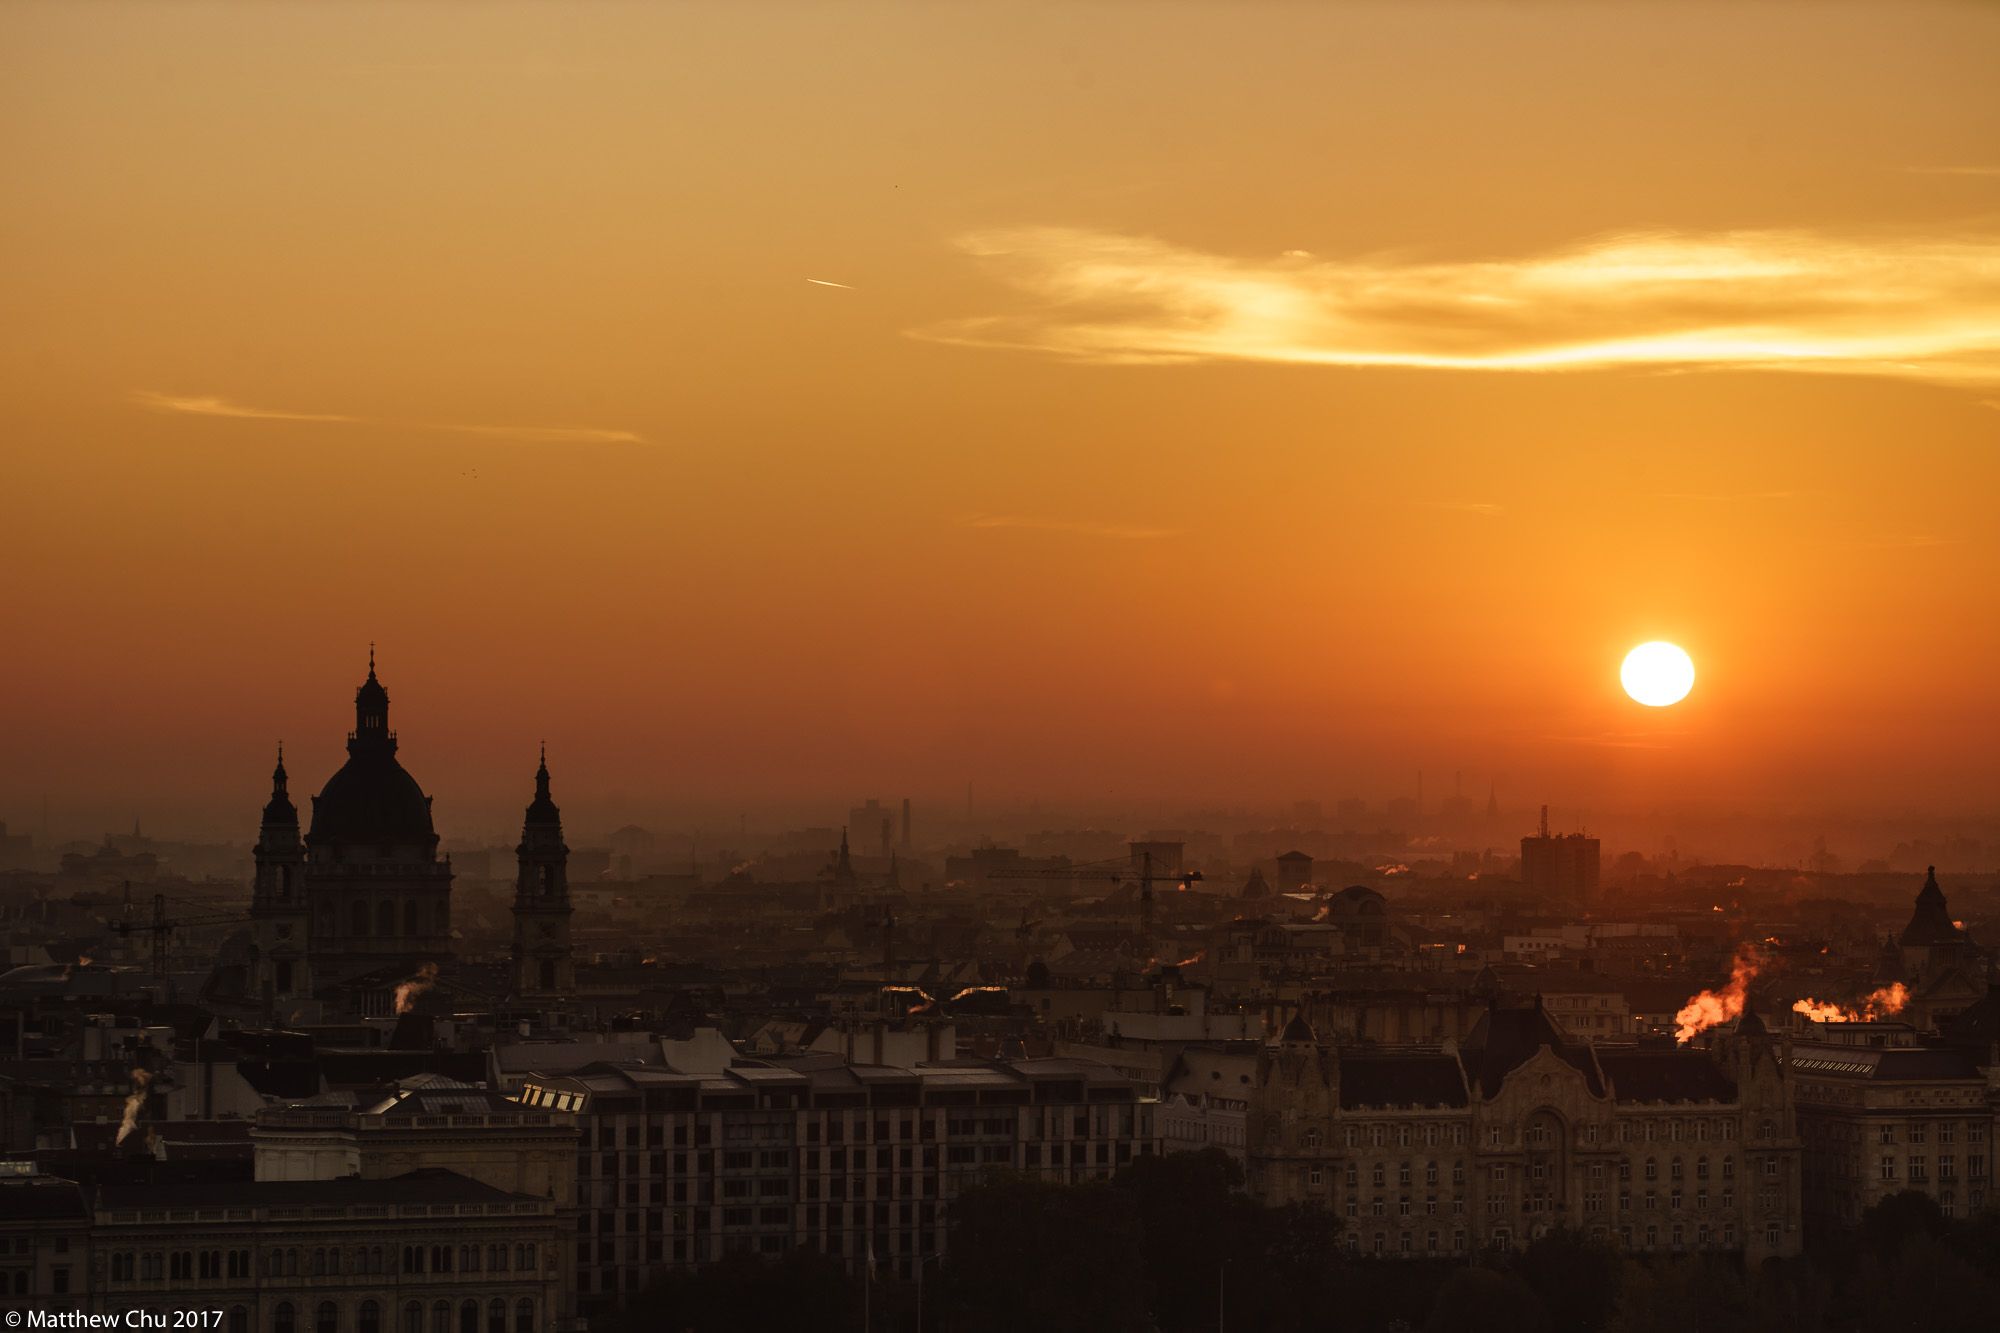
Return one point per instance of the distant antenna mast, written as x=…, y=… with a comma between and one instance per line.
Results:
x=1545, y=821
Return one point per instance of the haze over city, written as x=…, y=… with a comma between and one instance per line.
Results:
x=1196, y=414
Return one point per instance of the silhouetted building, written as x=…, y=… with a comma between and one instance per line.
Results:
x=365, y=889
x=1560, y=865
x=1295, y=872
x=542, y=964
x=1945, y=970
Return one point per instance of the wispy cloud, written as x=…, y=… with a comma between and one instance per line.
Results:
x=1912, y=541
x=1728, y=497
x=823, y=282
x=543, y=434
x=1922, y=308
x=204, y=405
x=1953, y=171
x=1081, y=528
x=1483, y=507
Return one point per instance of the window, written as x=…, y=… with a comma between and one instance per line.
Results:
x=328, y=1318
x=284, y=1319
x=413, y=1317
x=524, y=1316
x=496, y=1316
x=369, y=1319
x=468, y=1317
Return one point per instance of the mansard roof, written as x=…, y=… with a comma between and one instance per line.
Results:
x=1373, y=1079
x=1665, y=1076
x=1508, y=1037
x=1892, y=1064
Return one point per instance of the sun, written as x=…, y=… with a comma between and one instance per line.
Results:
x=1657, y=674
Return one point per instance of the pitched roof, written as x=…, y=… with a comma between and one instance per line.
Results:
x=1930, y=922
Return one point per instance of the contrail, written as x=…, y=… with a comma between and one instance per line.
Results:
x=822, y=282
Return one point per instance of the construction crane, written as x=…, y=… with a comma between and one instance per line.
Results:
x=161, y=926
x=1114, y=871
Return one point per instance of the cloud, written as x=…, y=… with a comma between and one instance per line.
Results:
x=1766, y=300
x=202, y=406
x=210, y=406
x=1728, y=497
x=1082, y=528
x=1484, y=507
x=545, y=434
x=1953, y=171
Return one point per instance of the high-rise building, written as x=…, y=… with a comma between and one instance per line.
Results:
x=1560, y=865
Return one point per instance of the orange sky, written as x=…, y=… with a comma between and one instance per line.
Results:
x=1224, y=402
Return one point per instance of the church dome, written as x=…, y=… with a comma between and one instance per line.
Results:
x=372, y=801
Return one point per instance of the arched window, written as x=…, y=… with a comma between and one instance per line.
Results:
x=385, y=917
x=468, y=1317
x=441, y=1317
x=524, y=1316
x=413, y=1317
x=361, y=918
x=284, y=1319
x=370, y=1320
x=329, y=1318
x=496, y=1316
x=239, y=1319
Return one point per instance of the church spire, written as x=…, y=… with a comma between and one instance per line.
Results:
x=371, y=709
x=542, y=961
x=542, y=811
x=279, y=809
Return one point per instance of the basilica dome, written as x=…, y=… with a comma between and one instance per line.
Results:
x=372, y=801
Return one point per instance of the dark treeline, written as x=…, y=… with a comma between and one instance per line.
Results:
x=1171, y=1245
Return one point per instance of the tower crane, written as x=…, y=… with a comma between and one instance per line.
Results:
x=1115, y=872
x=161, y=926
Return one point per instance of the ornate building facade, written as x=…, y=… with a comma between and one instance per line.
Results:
x=1521, y=1129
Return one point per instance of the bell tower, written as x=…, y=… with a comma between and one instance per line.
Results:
x=278, y=914
x=542, y=964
